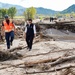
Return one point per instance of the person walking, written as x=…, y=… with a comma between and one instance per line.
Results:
x=8, y=27
x=30, y=33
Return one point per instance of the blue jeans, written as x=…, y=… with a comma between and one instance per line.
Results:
x=9, y=36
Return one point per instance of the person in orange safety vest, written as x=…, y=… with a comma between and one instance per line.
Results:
x=9, y=28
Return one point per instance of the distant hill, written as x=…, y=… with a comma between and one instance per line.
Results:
x=69, y=9
x=21, y=9
x=45, y=11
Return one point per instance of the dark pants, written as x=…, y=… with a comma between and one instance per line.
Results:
x=29, y=40
x=9, y=36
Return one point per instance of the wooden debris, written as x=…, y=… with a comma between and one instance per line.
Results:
x=54, y=69
x=8, y=56
x=16, y=48
x=62, y=59
x=56, y=61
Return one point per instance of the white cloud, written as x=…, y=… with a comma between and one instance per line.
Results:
x=51, y=4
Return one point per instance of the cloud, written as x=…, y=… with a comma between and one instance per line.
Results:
x=51, y=4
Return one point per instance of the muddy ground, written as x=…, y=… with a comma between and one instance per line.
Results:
x=42, y=50
x=53, y=53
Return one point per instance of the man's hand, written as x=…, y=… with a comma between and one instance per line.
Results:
x=15, y=30
x=2, y=31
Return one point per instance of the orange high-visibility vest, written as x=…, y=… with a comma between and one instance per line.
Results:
x=9, y=27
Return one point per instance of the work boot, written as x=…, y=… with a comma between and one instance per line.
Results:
x=8, y=47
x=29, y=49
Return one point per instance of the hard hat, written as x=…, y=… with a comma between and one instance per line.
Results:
x=6, y=16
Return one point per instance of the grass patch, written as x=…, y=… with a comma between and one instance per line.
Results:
x=17, y=17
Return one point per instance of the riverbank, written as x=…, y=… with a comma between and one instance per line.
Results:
x=53, y=53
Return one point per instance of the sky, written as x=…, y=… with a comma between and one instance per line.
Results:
x=57, y=5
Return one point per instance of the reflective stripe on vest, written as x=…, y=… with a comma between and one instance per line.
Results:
x=9, y=27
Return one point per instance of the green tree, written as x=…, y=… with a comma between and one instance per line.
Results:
x=73, y=14
x=3, y=12
x=27, y=14
x=58, y=15
x=30, y=13
x=0, y=13
x=12, y=11
x=67, y=15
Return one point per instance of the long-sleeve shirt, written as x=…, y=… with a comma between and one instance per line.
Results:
x=34, y=28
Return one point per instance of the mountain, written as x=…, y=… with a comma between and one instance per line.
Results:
x=21, y=9
x=45, y=11
x=69, y=9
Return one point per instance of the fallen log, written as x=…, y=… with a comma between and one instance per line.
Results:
x=53, y=69
x=67, y=71
x=59, y=22
x=8, y=56
x=16, y=48
x=62, y=59
x=29, y=64
x=56, y=61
